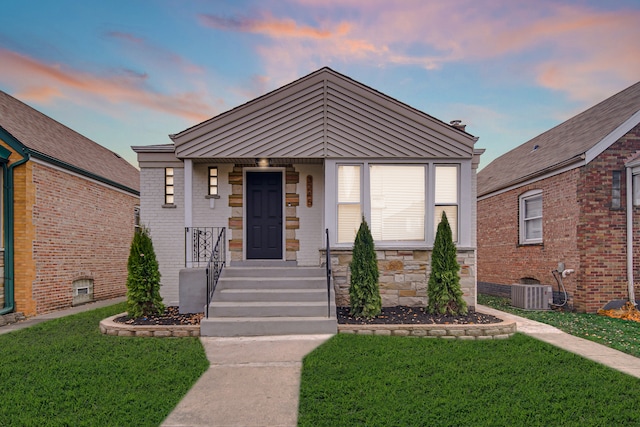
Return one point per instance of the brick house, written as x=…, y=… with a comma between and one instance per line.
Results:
x=569, y=196
x=68, y=212
x=315, y=155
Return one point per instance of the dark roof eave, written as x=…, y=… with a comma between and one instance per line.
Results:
x=38, y=155
x=538, y=174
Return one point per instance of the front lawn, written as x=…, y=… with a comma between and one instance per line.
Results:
x=622, y=335
x=360, y=380
x=66, y=373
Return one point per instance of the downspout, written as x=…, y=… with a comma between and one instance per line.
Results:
x=630, y=281
x=7, y=171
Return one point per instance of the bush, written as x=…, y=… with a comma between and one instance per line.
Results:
x=143, y=280
x=445, y=295
x=364, y=293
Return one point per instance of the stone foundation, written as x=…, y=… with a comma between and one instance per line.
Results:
x=469, y=332
x=404, y=275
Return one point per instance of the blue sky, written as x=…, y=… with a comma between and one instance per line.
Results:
x=131, y=72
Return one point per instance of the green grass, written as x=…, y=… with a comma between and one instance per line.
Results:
x=66, y=373
x=359, y=380
x=623, y=335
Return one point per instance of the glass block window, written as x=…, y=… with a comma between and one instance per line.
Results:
x=168, y=186
x=213, y=181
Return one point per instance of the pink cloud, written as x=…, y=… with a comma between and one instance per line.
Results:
x=582, y=51
x=40, y=81
x=272, y=27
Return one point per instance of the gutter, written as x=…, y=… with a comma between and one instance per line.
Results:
x=630, y=281
x=9, y=267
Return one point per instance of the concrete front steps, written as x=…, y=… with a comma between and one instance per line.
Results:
x=270, y=300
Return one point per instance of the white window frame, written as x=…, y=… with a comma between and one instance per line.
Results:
x=529, y=195
x=466, y=197
x=456, y=231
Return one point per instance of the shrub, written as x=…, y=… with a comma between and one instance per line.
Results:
x=364, y=293
x=143, y=280
x=445, y=295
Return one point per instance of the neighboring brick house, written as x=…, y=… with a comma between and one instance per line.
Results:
x=319, y=153
x=563, y=197
x=68, y=214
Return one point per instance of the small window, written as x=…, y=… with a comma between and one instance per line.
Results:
x=615, y=190
x=213, y=181
x=531, y=217
x=446, y=197
x=168, y=186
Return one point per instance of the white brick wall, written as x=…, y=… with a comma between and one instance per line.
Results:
x=203, y=214
x=166, y=226
x=311, y=231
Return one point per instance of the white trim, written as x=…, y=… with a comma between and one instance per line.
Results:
x=612, y=137
x=95, y=181
x=465, y=201
x=521, y=218
x=587, y=157
x=630, y=280
x=284, y=207
x=188, y=193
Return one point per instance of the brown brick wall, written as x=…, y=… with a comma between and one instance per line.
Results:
x=602, y=229
x=502, y=260
x=579, y=229
x=80, y=229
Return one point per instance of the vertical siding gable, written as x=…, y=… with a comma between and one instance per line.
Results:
x=323, y=115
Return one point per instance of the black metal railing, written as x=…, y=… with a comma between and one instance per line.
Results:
x=215, y=265
x=328, y=267
x=198, y=245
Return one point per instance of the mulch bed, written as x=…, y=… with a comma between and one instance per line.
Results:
x=389, y=315
x=171, y=316
x=413, y=316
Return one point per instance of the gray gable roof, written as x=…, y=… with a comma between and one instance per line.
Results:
x=53, y=141
x=323, y=115
x=580, y=138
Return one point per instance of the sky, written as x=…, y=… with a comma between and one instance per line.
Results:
x=131, y=72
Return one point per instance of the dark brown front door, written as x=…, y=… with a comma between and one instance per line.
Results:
x=264, y=215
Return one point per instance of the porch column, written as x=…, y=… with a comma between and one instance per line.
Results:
x=188, y=193
x=188, y=208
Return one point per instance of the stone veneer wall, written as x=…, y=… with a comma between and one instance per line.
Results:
x=404, y=274
x=292, y=222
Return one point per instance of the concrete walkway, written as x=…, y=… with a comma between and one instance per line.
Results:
x=251, y=382
x=585, y=348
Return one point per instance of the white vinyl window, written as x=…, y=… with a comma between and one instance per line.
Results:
x=349, y=202
x=397, y=202
x=446, y=197
x=531, y=217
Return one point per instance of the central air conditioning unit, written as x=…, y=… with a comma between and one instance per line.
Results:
x=531, y=297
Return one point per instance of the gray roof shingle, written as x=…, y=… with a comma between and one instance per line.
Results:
x=560, y=145
x=46, y=136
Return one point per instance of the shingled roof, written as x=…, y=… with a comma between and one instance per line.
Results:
x=576, y=140
x=48, y=139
